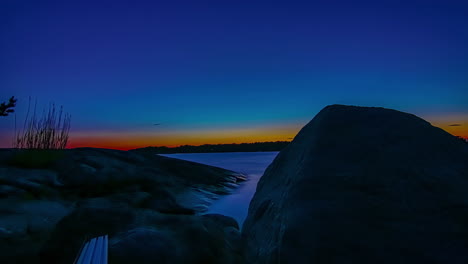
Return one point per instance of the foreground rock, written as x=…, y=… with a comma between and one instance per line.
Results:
x=49, y=205
x=363, y=185
x=146, y=236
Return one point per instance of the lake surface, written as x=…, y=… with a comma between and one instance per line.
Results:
x=252, y=164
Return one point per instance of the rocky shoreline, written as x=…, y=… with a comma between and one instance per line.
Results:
x=46, y=213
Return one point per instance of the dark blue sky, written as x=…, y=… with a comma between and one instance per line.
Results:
x=230, y=71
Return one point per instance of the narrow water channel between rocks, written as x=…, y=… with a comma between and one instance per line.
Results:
x=252, y=164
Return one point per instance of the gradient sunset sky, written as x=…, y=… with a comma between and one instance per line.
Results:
x=229, y=71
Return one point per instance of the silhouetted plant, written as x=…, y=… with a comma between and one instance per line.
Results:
x=48, y=132
x=6, y=108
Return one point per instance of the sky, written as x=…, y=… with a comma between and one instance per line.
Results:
x=153, y=73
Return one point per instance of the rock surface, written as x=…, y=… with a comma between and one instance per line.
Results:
x=363, y=185
x=25, y=226
x=189, y=239
x=146, y=236
x=48, y=208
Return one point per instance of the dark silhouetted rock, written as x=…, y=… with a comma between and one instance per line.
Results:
x=363, y=185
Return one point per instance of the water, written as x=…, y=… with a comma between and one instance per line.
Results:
x=252, y=164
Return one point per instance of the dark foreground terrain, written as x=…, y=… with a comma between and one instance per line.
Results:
x=356, y=185
x=50, y=201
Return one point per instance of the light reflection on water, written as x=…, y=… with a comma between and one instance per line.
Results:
x=252, y=164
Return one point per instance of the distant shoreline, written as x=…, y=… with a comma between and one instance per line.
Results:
x=217, y=148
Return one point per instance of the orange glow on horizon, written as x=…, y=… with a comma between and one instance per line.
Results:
x=132, y=140
x=138, y=139
x=455, y=124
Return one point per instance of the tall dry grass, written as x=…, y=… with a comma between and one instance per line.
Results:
x=49, y=131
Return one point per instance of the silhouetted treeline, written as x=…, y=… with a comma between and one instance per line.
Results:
x=243, y=147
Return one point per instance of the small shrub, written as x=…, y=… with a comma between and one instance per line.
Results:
x=35, y=158
x=47, y=132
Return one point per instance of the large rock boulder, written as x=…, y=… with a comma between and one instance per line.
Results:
x=363, y=185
